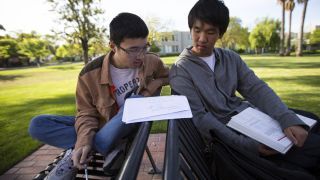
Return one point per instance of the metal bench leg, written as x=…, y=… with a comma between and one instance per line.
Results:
x=154, y=169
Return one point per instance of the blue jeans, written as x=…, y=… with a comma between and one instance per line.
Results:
x=59, y=131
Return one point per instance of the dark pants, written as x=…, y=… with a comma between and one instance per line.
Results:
x=306, y=157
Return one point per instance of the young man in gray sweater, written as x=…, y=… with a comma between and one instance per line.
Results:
x=210, y=78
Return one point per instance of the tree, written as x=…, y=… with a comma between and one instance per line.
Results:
x=22, y=36
x=154, y=27
x=2, y=28
x=300, y=36
x=315, y=37
x=52, y=43
x=8, y=48
x=157, y=32
x=289, y=6
x=265, y=35
x=257, y=40
x=98, y=46
x=236, y=37
x=281, y=50
x=80, y=19
x=68, y=51
x=34, y=48
x=154, y=48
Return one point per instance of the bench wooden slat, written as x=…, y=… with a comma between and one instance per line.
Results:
x=184, y=157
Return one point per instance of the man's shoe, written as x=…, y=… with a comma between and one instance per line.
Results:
x=64, y=170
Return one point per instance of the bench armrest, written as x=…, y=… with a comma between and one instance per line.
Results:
x=132, y=163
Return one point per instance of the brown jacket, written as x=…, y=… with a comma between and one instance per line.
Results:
x=95, y=99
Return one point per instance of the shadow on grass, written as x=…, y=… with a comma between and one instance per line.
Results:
x=10, y=77
x=58, y=105
x=63, y=68
x=303, y=101
x=14, y=122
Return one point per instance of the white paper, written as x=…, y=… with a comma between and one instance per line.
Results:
x=156, y=108
x=177, y=115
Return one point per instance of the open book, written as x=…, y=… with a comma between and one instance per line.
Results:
x=261, y=127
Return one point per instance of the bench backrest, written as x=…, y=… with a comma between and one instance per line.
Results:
x=184, y=155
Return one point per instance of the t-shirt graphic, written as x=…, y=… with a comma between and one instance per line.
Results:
x=124, y=81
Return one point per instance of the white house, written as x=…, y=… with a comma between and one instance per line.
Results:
x=174, y=42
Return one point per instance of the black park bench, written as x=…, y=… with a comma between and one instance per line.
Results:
x=186, y=154
x=129, y=167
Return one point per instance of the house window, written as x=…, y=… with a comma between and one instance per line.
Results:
x=168, y=49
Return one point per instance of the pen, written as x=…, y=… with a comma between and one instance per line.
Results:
x=86, y=171
x=282, y=137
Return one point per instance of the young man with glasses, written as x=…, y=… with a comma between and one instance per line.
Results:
x=100, y=95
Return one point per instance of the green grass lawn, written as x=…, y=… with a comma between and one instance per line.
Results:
x=27, y=92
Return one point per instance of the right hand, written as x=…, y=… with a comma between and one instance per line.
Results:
x=266, y=151
x=296, y=134
x=81, y=156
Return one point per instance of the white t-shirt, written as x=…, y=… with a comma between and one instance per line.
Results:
x=124, y=81
x=210, y=60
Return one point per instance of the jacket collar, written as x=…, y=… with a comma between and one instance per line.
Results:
x=105, y=70
x=187, y=52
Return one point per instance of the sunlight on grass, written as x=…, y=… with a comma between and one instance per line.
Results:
x=169, y=60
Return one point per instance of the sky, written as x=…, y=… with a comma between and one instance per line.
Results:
x=28, y=15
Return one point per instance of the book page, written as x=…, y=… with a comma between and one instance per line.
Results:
x=261, y=127
x=265, y=125
x=310, y=122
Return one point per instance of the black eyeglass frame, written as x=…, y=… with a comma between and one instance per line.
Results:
x=134, y=52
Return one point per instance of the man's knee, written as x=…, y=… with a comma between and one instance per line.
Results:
x=35, y=126
x=100, y=144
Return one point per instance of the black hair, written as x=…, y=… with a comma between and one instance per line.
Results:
x=127, y=25
x=213, y=12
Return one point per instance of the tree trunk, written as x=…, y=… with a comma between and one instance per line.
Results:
x=289, y=36
x=85, y=49
x=38, y=62
x=281, y=51
x=300, y=38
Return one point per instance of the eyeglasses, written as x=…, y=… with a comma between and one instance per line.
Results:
x=136, y=51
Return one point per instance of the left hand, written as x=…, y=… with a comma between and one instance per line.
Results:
x=81, y=156
x=296, y=134
x=266, y=151
x=145, y=94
